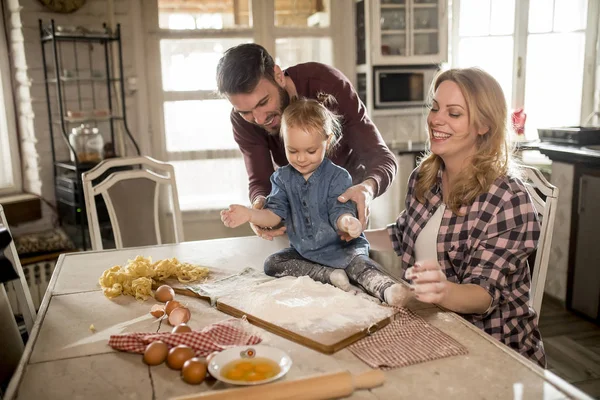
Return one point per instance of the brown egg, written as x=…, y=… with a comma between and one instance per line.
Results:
x=194, y=371
x=171, y=305
x=180, y=315
x=164, y=293
x=156, y=352
x=178, y=355
x=181, y=328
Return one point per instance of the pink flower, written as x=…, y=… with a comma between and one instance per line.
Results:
x=518, y=118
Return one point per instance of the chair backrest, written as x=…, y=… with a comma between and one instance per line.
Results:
x=545, y=199
x=21, y=288
x=130, y=188
x=12, y=345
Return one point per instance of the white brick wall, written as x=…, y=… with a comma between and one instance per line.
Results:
x=32, y=112
x=25, y=115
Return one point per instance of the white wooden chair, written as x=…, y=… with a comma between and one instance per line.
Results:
x=545, y=199
x=131, y=188
x=12, y=345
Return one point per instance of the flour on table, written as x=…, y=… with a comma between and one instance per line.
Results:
x=304, y=305
x=230, y=284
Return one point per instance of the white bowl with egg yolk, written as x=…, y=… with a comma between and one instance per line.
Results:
x=250, y=365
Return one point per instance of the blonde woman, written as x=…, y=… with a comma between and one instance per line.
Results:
x=325, y=234
x=469, y=224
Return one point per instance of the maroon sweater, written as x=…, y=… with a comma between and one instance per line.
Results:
x=361, y=149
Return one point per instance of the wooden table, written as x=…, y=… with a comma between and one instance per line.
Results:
x=65, y=359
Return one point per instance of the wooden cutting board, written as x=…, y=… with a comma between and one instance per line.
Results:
x=324, y=343
x=326, y=335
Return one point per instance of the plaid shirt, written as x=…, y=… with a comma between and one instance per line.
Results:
x=487, y=246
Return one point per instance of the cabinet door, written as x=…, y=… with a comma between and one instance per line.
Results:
x=425, y=28
x=586, y=278
x=391, y=28
x=409, y=31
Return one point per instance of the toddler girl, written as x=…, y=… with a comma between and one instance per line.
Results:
x=304, y=196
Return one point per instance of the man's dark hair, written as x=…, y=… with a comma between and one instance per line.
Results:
x=242, y=67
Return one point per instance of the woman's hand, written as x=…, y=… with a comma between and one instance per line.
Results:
x=265, y=233
x=351, y=226
x=429, y=283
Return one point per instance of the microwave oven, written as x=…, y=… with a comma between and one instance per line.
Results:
x=398, y=87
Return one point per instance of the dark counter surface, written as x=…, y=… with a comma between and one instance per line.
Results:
x=571, y=154
x=401, y=148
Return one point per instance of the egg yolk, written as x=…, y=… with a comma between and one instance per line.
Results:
x=251, y=370
x=245, y=366
x=234, y=375
x=263, y=368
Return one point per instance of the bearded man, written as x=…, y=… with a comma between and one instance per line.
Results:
x=259, y=91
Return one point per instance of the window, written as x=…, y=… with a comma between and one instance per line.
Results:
x=10, y=172
x=189, y=38
x=535, y=49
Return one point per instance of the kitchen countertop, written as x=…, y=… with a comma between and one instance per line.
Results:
x=401, y=148
x=570, y=153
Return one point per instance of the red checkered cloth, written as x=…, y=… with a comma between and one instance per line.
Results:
x=407, y=340
x=215, y=337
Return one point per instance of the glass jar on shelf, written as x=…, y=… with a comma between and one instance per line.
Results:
x=88, y=144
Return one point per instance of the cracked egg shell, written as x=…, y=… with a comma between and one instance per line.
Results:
x=179, y=316
x=171, y=305
x=157, y=310
x=164, y=293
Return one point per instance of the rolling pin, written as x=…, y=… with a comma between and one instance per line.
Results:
x=339, y=384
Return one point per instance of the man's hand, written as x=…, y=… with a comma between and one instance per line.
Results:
x=350, y=225
x=265, y=233
x=362, y=194
x=235, y=216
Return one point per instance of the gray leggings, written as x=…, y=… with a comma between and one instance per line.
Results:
x=361, y=271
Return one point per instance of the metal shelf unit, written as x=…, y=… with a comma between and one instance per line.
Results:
x=60, y=48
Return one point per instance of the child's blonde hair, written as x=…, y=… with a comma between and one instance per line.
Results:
x=313, y=116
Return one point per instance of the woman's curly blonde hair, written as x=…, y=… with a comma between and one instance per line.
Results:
x=486, y=107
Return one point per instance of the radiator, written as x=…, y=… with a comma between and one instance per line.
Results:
x=37, y=276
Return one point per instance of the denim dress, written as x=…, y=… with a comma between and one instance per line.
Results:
x=310, y=210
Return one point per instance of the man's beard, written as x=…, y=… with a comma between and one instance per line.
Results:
x=284, y=101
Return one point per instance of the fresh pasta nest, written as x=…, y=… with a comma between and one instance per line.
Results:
x=136, y=278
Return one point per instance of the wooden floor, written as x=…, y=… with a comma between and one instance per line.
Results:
x=572, y=346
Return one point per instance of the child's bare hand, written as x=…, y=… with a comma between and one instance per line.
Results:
x=351, y=225
x=429, y=282
x=235, y=216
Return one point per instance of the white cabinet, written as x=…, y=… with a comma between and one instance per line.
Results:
x=401, y=128
x=403, y=32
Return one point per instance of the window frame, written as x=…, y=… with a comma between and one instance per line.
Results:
x=520, y=37
x=264, y=32
x=10, y=116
